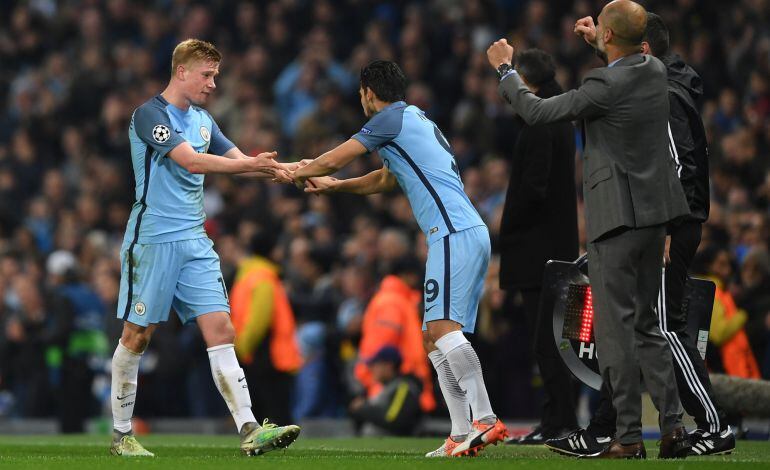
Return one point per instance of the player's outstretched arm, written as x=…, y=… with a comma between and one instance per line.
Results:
x=204, y=163
x=281, y=174
x=377, y=181
x=331, y=161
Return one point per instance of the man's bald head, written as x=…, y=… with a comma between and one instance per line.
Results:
x=627, y=20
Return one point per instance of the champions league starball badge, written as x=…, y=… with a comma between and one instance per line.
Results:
x=160, y=133
x=568, y=297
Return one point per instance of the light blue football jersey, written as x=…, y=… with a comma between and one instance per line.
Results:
x=169, y=199
x=413, y=148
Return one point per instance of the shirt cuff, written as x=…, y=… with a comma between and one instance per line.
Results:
x=508, y=74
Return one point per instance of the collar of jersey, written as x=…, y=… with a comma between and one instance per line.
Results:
x=395, y=104
x=171, y=106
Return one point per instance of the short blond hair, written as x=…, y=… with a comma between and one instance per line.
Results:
x=194, y=50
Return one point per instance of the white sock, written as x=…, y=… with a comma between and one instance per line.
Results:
x=459, y=412
x=466, y=368
x=125, y=369
x=231, y=383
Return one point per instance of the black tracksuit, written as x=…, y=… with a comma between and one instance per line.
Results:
x=689, y=148
x=539, y=223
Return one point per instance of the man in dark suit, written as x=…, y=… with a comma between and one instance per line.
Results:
x=713, y=435
x=631, y=192
x=539, y=223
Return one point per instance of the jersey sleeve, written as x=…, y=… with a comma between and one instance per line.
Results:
x=381, y=129
x=220, y=144
x=153, y=126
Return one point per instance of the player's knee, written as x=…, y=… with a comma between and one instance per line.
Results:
x=439, y=328
x=135, y=340
x=224, y=333
x=427, y=342
x=228, y=333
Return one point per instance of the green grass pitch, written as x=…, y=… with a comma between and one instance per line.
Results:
x=86, y=452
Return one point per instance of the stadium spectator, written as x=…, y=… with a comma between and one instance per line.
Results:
x=727, y=319
x=265, y=332
x=395, y=408
x=392, y=319
x=754, y=297
x=86, y=347
x=314, y=300
x=36, y=334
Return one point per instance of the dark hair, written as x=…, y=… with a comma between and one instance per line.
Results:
x=322, y=257
x=656, y=35
x=385, y=79
x=263, y=242
x=405, y=265
x=536, y=67
x=705, y=257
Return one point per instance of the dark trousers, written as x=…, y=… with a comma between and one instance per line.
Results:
x=625, y=271
x=692, y=378
x=75, y=397
x=270, y=389
x=558, y=387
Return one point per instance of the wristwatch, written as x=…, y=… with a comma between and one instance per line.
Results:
x=503, y=69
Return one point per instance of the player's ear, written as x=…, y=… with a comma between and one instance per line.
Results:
x=370, y=96
x=181, y=72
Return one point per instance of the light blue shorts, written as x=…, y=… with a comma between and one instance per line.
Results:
x=183, y=275
x=454, y=277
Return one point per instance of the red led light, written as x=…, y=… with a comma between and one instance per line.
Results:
x=587, y=317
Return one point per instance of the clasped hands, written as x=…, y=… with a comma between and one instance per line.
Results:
x=286, y=173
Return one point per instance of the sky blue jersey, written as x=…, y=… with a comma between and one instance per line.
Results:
x=169, y=199
x=413, y=148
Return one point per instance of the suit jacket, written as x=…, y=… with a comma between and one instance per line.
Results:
x=629, y=175
x=540, y=214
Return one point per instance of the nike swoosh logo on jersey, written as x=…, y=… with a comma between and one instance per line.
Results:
x=125, y=396
x=178, y=131
x=241, y=379
x=428, y=309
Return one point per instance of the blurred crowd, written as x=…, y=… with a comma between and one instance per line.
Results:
x=74, y=70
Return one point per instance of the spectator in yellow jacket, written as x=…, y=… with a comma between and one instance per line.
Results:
x=727, y=320
x=265, y=330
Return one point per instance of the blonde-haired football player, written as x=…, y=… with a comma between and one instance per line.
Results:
x=168, y=262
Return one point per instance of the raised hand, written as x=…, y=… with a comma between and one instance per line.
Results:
x=500, y=52
x=585, y=28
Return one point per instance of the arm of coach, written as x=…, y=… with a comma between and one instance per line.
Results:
x=593, y=99
x=629, y=174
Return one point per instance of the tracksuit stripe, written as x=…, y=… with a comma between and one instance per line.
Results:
x=674, y=153
x=685, y=364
